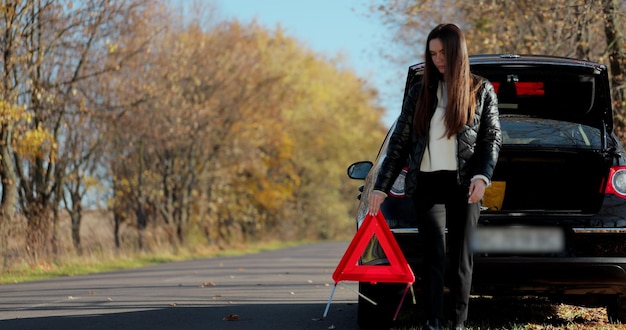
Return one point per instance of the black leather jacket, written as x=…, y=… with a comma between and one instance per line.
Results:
x=478, y=144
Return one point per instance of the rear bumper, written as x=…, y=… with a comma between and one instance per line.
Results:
x=548, y=276
x=529, y=275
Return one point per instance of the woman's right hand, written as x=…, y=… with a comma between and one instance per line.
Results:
x=375, y=199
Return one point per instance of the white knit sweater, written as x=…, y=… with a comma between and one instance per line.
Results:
x=440, y=154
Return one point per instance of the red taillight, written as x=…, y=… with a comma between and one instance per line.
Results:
x=617, y=181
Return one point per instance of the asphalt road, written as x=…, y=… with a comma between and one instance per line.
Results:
x=283, y=289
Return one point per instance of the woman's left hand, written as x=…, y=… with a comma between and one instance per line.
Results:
x=476, y=190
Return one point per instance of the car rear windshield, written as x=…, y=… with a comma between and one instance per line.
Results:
x=519, y=130
x=544, y=91
x=564, y=93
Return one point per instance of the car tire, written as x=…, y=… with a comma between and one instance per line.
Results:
x=387, y=296
x=616, y=310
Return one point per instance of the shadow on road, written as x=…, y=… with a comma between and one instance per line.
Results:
x=249, y=317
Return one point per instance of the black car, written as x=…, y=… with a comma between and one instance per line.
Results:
x=553, y=223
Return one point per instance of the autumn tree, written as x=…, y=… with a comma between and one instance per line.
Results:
x=53, y=50
x=232, y=136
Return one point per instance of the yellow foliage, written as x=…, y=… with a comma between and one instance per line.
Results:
x=91, y=181
x=36, y=143
x=10, y=113
x=28, y=143
x=112, y=48
x=270, y=199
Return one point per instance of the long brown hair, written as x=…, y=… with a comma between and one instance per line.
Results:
x=461, y=87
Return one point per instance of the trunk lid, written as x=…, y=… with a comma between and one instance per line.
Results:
x=546, y=87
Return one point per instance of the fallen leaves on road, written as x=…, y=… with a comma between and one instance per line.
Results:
x=205, y=284
x=231, y=317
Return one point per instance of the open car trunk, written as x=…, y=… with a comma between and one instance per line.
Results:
x=545, y=179
x=555, y=121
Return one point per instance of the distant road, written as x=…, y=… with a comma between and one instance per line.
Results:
x=283, y=289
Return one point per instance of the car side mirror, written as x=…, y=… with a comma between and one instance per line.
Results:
x=359, y=170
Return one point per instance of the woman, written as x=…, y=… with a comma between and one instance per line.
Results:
x=450, y=132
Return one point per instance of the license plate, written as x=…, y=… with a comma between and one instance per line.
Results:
x=518, y=240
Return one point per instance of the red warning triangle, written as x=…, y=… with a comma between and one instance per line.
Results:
x=398, y=270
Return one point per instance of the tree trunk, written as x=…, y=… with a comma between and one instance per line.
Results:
x=76, y=215
x=117, y=219
x=142, y=223
x=617, y=60
x=39, y=232
x=9, y=200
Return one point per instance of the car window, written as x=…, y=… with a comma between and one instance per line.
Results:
x=518, y=130
x=552, y=92
x=544, y=91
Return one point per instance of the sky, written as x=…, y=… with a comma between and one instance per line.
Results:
x=332, y=27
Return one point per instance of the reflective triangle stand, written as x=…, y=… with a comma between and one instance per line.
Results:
x=349, y=268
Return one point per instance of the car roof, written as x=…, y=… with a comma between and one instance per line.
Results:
x=544, y=86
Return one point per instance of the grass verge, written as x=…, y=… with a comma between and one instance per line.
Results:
x=521, y=313
x=72, y=266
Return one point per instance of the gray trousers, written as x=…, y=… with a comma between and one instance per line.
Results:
x=439, y=202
